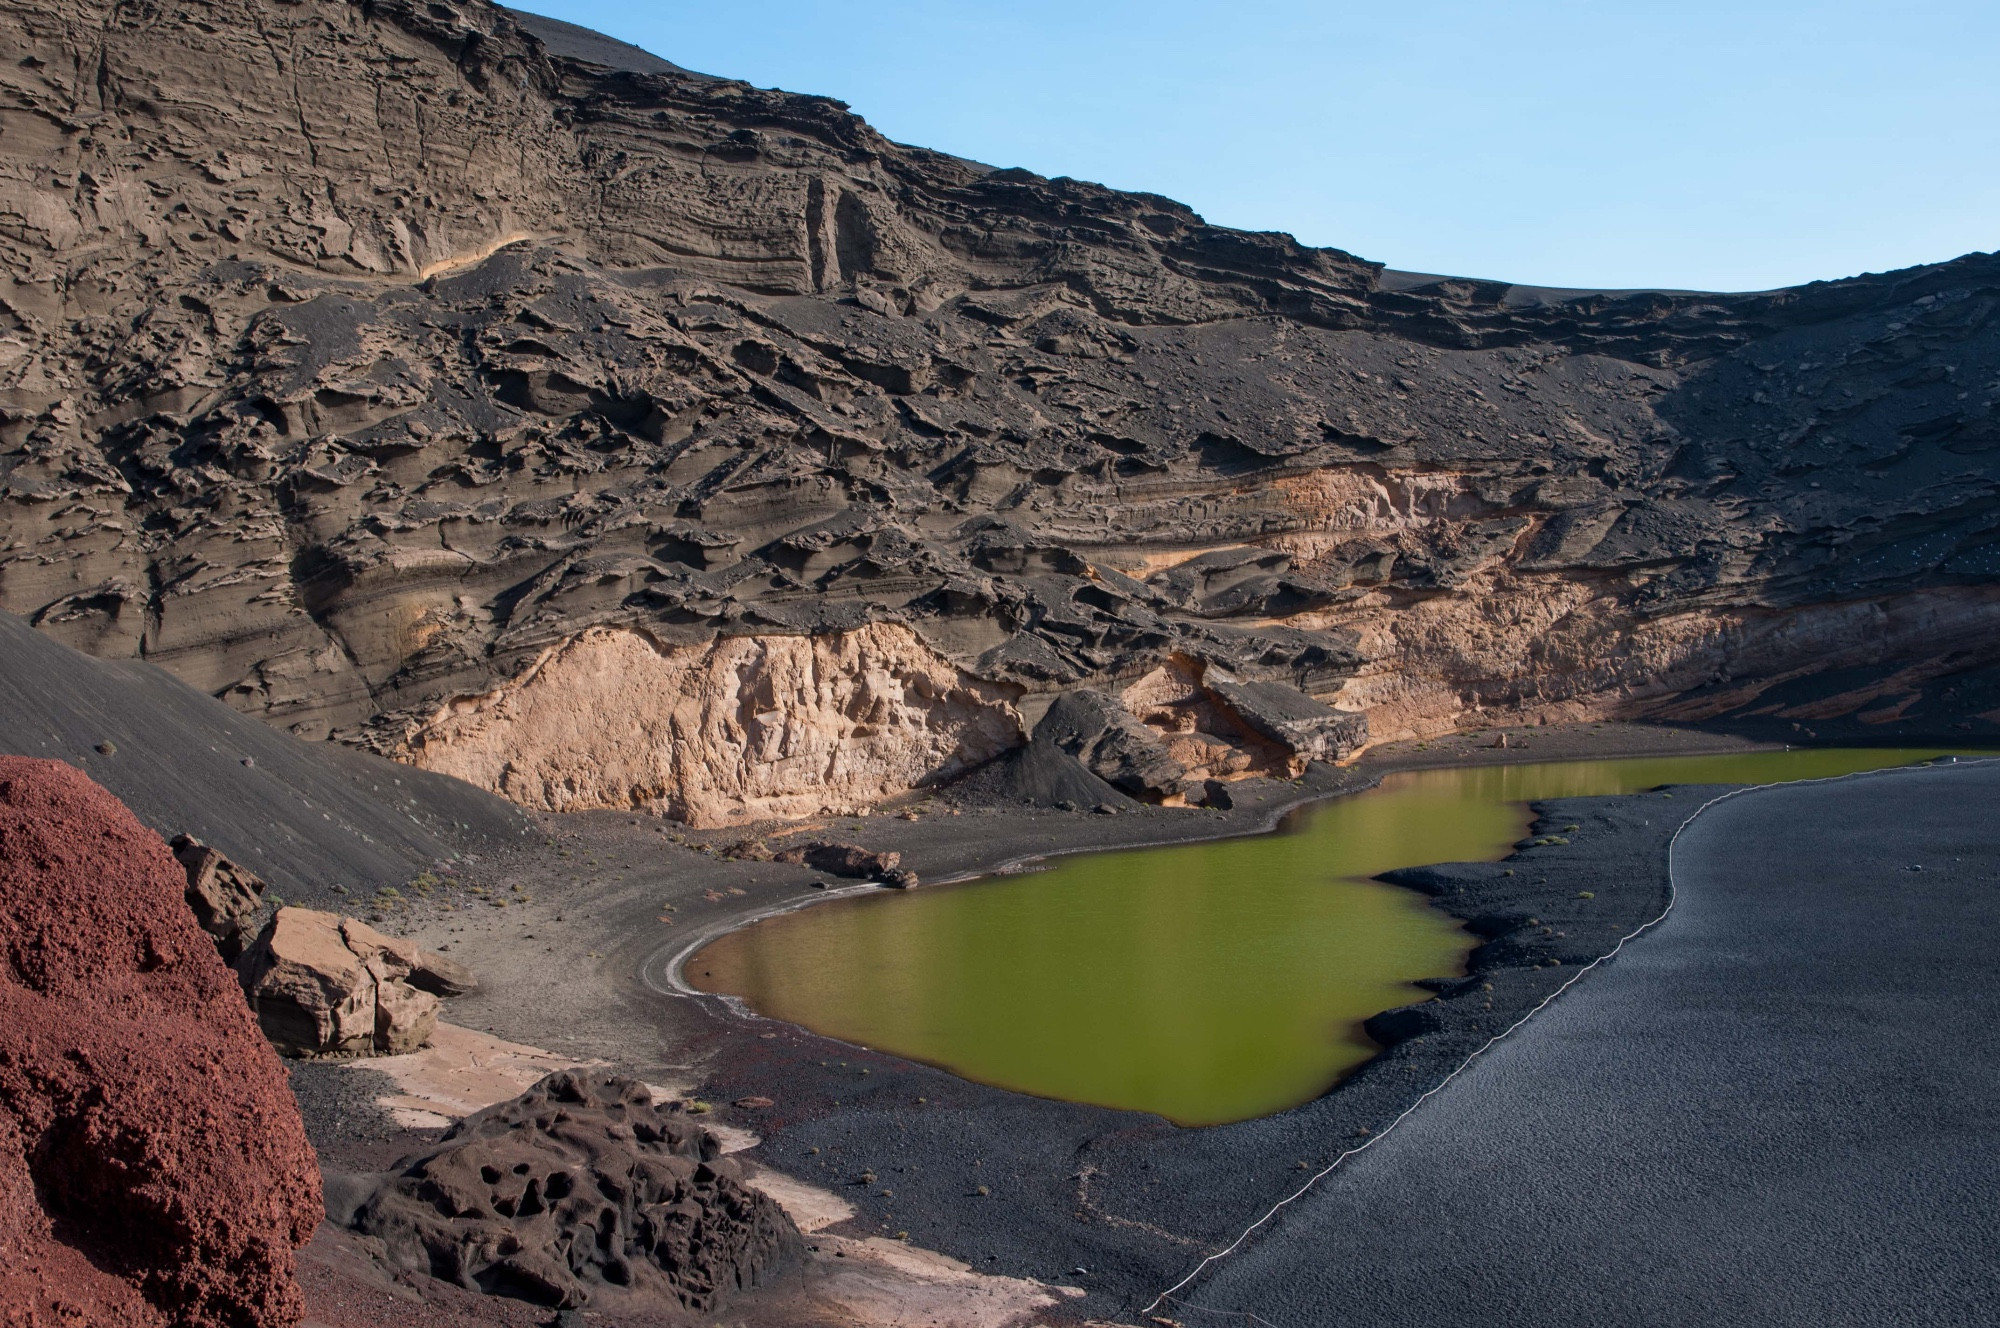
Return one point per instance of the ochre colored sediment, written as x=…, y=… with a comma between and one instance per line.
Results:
x=745, y=728
x=153, y=1167
x=1527, y=650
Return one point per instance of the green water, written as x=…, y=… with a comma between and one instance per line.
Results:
x=1206, y=982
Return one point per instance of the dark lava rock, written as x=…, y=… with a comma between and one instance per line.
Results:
x=1112, y=744
x=850, y=860
x=153, y=1167
x=704, y=361
x=582, y=1190
x=1309, y=728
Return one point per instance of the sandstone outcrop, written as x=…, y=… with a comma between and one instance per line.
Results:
x=225, y=898
x=366, y=386
x=745, y=728
x=153, y=1167
x=324, y=985
x=582, y=1191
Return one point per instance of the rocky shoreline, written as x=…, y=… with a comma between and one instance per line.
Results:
x=1010, y=1184
x=917, y=1190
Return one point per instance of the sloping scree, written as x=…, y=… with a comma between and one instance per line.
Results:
x=153, y=1167
x=582, y=1190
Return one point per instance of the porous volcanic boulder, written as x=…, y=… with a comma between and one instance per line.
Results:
x=582, y=1190
x=225, y=897
x=153, y=1167
x=324, y=985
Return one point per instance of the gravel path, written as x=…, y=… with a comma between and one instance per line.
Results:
x=1782, y=1106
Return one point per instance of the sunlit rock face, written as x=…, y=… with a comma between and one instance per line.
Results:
x=355, y=357
x=745, y=728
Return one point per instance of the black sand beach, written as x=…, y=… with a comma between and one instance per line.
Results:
x=1779, y=1108
x=569, y=927
x=1132, y=1200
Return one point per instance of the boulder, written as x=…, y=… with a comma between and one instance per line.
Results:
x=1308, y=728
x=324, y=985
x=1111, y=743
x=581, y=1191
x=225, y=897
x=849, y=860
x=426, y=970
x=154, y=1171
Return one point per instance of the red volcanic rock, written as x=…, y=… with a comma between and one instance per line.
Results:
x=153, y=1167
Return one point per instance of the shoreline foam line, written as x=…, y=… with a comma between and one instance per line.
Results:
x=677, y=985
x=1673, y=894
x=1270, y=822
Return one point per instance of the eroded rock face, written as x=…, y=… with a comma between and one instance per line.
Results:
x=153, y=1167
x=582, y=1191
x=355, y=383
x=225, y=897
x=324, y=985
x=746, y=728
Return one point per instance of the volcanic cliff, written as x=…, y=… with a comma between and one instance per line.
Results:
x=462, y=385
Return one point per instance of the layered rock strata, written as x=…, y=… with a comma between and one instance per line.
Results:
x=582, y=1191
x=357, y=357
x=153, y=1167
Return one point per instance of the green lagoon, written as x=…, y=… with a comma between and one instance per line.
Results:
x=1206, y=982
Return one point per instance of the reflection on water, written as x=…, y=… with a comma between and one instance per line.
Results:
x=1206, y=982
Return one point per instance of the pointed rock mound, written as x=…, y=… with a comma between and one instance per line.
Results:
x=153, y=1168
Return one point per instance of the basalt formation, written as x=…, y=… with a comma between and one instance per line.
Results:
x=514, y=402
x=582, y=1191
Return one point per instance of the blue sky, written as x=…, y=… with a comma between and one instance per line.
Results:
x=1595, y=143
